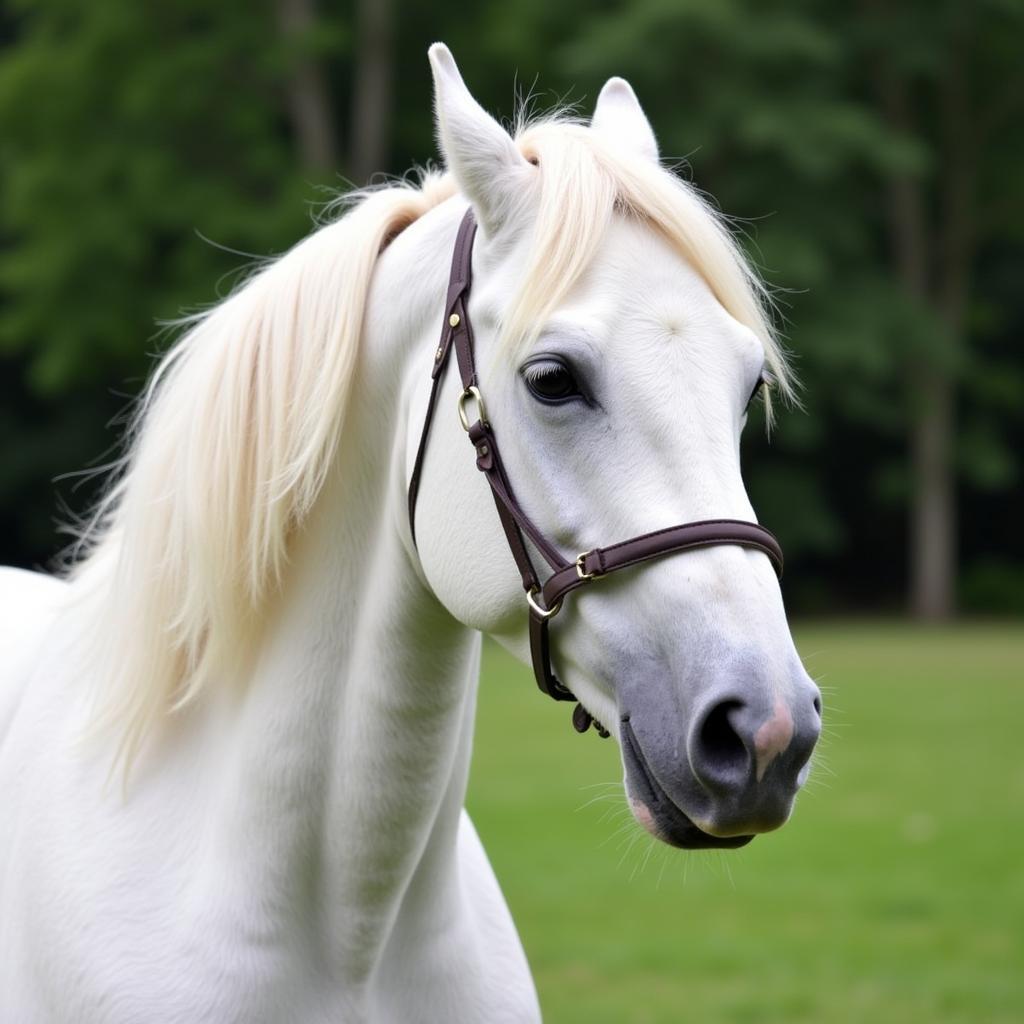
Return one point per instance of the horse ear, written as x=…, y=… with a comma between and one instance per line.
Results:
x=480, y=154
x=618, y=113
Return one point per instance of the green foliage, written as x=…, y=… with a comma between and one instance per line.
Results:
x=994, y=586
x=128, y=130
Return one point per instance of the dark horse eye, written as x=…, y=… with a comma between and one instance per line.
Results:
x=550, y=381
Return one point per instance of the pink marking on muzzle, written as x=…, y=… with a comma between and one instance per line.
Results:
x=772, y=738
x=643, y=815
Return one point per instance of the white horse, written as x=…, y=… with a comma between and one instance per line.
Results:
x=234, y=742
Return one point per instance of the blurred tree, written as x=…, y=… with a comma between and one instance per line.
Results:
x=309, y=99
x=371, y=101
x=127, y=129
x=131, y=135
x=958, y=89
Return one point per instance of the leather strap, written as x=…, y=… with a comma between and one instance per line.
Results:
x=709, y=532
x=458, y=284
x=457, y=334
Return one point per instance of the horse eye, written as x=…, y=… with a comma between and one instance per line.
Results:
x=550, y=381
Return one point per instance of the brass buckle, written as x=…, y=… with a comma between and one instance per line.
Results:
x=481, y=412
x=544, y=613
x=581, y=572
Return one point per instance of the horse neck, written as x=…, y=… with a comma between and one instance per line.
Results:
x=355, y=731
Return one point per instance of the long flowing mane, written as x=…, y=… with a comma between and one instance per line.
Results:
x=237, y=429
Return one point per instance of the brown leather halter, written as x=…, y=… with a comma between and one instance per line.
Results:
x=545, y=600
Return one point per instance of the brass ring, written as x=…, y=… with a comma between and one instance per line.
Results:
x=544, y=613
x=472, y=392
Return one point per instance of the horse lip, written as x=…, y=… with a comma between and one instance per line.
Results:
x=674, y=826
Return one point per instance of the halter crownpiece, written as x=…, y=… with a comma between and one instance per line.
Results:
x=545, y=600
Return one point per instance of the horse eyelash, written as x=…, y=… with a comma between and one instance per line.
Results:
x=542, y=368
x=764, y=383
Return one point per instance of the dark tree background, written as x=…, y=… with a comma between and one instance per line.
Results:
x=871, y=153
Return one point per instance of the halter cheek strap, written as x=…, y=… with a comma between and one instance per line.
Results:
x=545, y=600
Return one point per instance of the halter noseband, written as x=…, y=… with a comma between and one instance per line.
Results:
x=545, y=600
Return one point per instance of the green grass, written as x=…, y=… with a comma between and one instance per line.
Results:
x=895, y=893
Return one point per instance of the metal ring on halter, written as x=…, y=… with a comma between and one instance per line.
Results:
x=544, y=613
x=472, y=392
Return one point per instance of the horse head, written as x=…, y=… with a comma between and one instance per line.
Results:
x=620, y=338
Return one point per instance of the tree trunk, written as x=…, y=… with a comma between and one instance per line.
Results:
x=309, y=99
x=933, y=512
x=934, y=579
x=371, y=101
x=934, y=269
x=931, y=519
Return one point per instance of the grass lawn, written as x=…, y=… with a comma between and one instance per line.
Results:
x=895, y=894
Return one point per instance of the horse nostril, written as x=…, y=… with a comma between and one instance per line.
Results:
x=719, y=757
x=817, y=706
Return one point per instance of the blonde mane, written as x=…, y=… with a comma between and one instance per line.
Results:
x=237, y=429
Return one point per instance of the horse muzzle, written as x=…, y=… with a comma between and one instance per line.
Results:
x=740, y=773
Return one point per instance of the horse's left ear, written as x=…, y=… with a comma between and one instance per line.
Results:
x=618, y=113
x=481, y=155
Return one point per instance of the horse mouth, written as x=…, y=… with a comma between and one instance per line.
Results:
x=656, y=812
